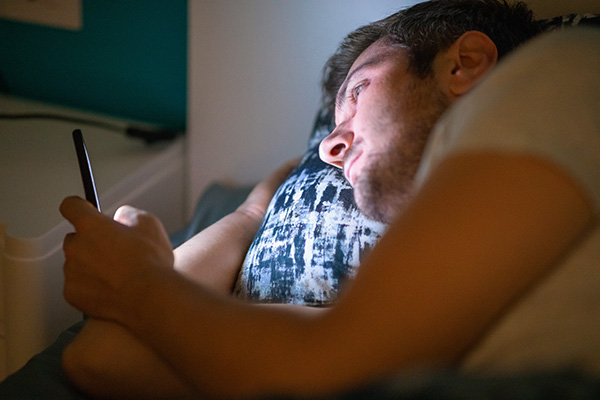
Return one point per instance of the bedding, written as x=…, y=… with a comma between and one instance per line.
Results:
x=42, y=377
x=555, y=323
x=448, y=385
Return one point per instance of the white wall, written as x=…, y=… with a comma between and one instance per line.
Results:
x=254, y=70
x=253, y=82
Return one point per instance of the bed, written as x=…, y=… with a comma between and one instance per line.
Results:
x=311, y=241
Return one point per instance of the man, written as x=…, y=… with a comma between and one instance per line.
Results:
x=471, y=241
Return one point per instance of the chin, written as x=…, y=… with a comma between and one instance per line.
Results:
x=381, y=202
x=371, y=207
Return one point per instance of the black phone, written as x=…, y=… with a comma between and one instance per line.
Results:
x=85, y=167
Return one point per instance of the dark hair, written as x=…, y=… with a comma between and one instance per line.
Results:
x=429, y=28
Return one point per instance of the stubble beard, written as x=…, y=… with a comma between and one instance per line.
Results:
x=386, y=186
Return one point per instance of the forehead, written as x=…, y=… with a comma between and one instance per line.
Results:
x=376, y=55
x=380, y=51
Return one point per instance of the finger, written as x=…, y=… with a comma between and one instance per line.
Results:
x=75, y=210
x=78, y=251
x=128, y=215
x=68, y=244
x=141, y=221
x=82, y=291
x=135, y=218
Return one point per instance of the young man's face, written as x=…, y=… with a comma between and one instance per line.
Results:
x=383, y=118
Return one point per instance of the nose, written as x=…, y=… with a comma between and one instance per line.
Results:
x=333, y=148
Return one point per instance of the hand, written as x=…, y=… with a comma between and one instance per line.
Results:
x=105, y=257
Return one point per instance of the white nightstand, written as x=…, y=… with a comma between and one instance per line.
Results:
x=38, y=168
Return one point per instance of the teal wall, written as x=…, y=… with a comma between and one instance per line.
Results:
x=129, y=60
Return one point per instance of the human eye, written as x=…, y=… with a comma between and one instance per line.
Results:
x=357, y=90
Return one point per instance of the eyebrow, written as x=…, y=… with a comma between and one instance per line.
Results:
x=340, y=98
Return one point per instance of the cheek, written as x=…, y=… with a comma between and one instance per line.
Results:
x=385, y=116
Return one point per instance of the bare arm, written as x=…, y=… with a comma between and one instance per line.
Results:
x=106, y=360
x=214, y=256
x=475, y=237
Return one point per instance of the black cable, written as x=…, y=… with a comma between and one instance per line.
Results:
x=148, y=135
x=58, y=117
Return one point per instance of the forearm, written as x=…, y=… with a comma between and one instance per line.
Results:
x=214, y=256
x=106, y=360
x=212, y=340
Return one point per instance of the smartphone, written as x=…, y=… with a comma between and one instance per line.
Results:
x=85, y=167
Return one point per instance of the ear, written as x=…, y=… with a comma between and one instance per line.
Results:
x=469, y=58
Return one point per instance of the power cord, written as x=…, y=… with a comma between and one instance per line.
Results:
x=150, y=136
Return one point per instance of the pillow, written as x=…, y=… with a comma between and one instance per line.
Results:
x=571, y=20
x=313, y=236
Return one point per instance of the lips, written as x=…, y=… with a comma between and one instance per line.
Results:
x=348, y=168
